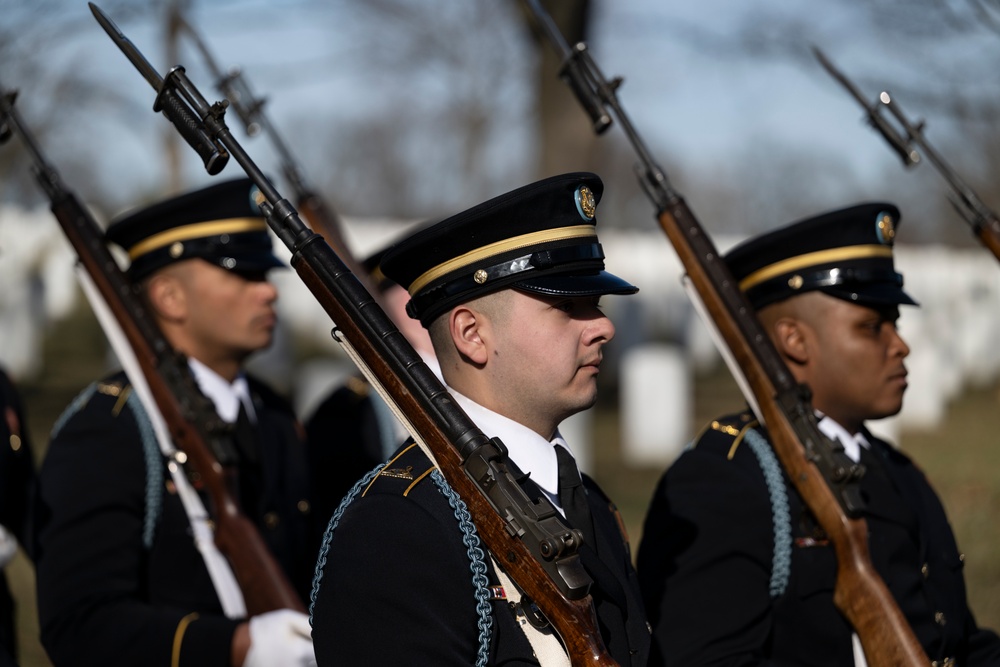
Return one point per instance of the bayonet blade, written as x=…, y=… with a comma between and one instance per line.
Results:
x=839, y=76
x=128, y=48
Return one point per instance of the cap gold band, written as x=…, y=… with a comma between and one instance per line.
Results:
x=473, y=256
x=813, y=259
x=196, y=231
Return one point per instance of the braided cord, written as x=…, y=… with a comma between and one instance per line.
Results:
x=324, y=548
x=477, y=564
x=781, y=566
x=469, y=538
x=75, y=406
x=154, y=468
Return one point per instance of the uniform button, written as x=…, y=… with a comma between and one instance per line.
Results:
x=303, y=506
x=925, y=570
x=271, y=520
x=939, y=618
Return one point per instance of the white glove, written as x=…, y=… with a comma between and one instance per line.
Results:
x=8, y=546
x=281, y=637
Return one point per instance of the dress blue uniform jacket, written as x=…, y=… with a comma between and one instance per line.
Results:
x=105, y=596
x=711, y=545
x=396, y=588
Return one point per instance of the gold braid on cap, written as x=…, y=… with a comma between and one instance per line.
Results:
x=499, y=247
x=196, y=231
x=813, y=259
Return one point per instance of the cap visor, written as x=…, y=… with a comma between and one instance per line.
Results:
x=872, y=294
x=588, y=284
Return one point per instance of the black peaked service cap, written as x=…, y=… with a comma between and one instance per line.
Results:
x=845, y=253
x=221, y=224
x=540, y=238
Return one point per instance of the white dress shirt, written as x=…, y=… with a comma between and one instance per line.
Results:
x=532, y=453
x=225, y=395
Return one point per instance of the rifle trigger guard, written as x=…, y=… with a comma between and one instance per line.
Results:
x=527, y=608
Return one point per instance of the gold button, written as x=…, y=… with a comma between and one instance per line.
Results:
x=939, y=618
x=925, y=570
x=303, y=506
x=15, y=442
x=271, y=520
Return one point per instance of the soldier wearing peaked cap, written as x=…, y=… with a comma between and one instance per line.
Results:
x=734, y=568
x=120, y=578
x=509, y=292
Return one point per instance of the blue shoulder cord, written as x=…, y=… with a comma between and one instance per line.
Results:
x=151, y=450
x=781, y=566
x=469, y=538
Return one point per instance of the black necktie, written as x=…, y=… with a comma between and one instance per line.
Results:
x=573, y=497
x=248, y=444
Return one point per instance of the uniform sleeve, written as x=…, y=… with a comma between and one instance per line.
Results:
x=704, y=563
x=91, y=559
x=396, y=589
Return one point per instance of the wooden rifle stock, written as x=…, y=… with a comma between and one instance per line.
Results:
x=989, y=235
x=189, y=415
x=525, y=535
x=817, y=466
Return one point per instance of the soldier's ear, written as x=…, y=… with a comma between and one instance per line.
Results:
x=790, y=337
x=468, y=333
x=167, y=297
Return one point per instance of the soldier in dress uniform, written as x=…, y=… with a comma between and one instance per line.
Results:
x=120, y=578
x=509, y=291
x=734, y=568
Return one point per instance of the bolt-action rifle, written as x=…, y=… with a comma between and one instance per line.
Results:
x=905, y=140
x=204, y=442
x=525, y=535
x=822, y=473
x=234, y=87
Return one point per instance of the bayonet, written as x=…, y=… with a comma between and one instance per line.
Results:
x=984, y=222
x=169, y=102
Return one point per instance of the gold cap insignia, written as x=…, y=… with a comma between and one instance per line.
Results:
x=885, y=228
x=480, y=276
x=585, y=202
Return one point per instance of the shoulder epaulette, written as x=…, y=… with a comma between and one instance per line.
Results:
x=398, y=468
x=112, y=387
x=120, y=389
x=735, y=426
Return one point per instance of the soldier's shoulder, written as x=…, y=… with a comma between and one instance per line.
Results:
x=726, y=435
x=101, y=407
x=107, y=396
x=407, y=474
